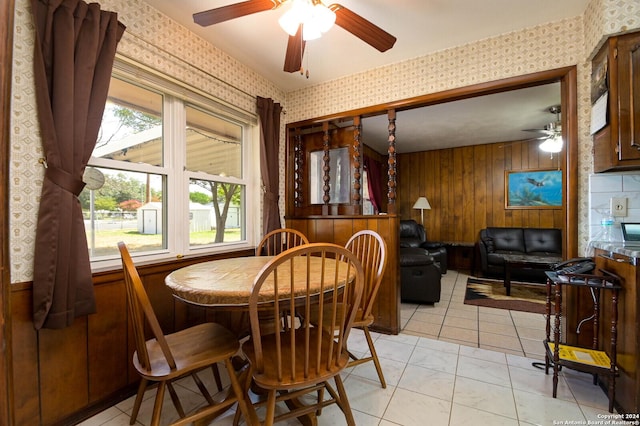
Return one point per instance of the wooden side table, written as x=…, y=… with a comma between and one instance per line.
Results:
x=597, y=360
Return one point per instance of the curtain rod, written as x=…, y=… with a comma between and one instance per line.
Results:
x=192, y=65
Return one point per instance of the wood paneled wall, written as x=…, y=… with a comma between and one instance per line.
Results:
x=466, y=189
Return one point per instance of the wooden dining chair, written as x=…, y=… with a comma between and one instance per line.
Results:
x=301, y=358
x=371, y=249
x=165, y=358
x=279, y=240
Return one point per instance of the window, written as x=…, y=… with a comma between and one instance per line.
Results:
x=170, y=173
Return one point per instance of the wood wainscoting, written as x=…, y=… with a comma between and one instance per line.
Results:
x=63, y=376
x=338, y=230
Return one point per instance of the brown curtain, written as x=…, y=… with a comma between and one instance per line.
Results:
x=74, y=52
x=269, y=113
x=374, y=179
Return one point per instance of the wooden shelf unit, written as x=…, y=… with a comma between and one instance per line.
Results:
x=599, y=359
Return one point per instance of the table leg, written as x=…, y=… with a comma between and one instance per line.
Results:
x=507, y=277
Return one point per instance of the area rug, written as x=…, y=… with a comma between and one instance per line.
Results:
x=525, y=297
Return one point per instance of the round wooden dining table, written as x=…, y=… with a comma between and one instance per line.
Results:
x=227, y=283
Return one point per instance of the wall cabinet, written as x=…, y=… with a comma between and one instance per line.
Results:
x=616, y=70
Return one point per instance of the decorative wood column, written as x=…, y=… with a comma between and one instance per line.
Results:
x=357, y=166
x=298, y=169
x=326, y=169
x=391, y=150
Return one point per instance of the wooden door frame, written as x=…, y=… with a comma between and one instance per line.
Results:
x=566, y=76
x=6, y=59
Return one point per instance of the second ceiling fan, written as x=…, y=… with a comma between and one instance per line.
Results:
x=345, y=18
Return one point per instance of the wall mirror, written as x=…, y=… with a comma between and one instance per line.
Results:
x=339, y=176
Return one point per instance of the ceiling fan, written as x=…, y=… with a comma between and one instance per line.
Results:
x=551, y=134
x=345, y=18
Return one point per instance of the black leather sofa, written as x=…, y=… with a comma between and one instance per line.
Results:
x=494, y=242
x=412, y=234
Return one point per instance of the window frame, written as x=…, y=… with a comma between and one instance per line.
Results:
x=176, y=97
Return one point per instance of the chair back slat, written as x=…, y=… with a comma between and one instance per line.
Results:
x=321, y=277
x=140, y=309
x=279, y=240
x=371, y=249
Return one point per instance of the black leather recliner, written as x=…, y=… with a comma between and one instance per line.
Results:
x=420, y=277
x=412, y=234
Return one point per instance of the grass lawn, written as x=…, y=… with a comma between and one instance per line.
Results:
x=106, y=241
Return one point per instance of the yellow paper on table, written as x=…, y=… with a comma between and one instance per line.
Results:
x=583, y=355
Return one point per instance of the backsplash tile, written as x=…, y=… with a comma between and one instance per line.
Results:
x=602, y=187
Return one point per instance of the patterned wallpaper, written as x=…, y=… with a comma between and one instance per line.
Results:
x=165, y=45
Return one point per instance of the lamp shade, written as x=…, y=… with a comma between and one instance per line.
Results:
x=422, y=203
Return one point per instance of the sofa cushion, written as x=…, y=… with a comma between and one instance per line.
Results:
x=541, y=242
x=410, y=242
x=414, y=256
x=412, y=234
x=489, y=244
x=507, y=239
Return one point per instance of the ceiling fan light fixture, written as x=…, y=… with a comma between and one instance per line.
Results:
x=315, y=19
x=292, y=18
x=552, y=145
x=323, y=17
x=310, y=31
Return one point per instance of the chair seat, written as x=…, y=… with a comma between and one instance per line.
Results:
x=292, y=379
x=192, y=349
x=361, y=320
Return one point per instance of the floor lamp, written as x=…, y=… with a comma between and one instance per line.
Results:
x=423, y=204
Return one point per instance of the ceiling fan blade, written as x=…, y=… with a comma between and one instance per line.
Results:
x=362, y=28
x=295, y=50
x=232, y=11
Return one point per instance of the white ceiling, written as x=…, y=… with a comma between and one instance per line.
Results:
x=421, y=27
x=499, y=117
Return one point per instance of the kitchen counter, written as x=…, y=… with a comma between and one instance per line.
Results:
x=617, y=247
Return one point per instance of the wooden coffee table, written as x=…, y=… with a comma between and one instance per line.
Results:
x=518, y=261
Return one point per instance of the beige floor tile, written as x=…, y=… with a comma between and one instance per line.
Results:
x=419, y=334
x=456, y=333
x=528, y=319
x=483, y=315
x=428, y=317
x=532, y=347
x=468, y=323
x=531, y=333
x=492, y=327
x=424, y=328
x=463, y=313
x=437, y=309
x=494, y=311
x=504, y=350
x=500, y=341
x=472, y=344
x=459, y=306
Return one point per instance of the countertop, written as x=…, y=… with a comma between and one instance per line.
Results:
x=618, y=247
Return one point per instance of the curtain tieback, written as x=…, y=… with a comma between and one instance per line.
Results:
x=64, y=180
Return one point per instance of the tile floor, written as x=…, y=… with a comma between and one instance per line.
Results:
x=453, y=364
